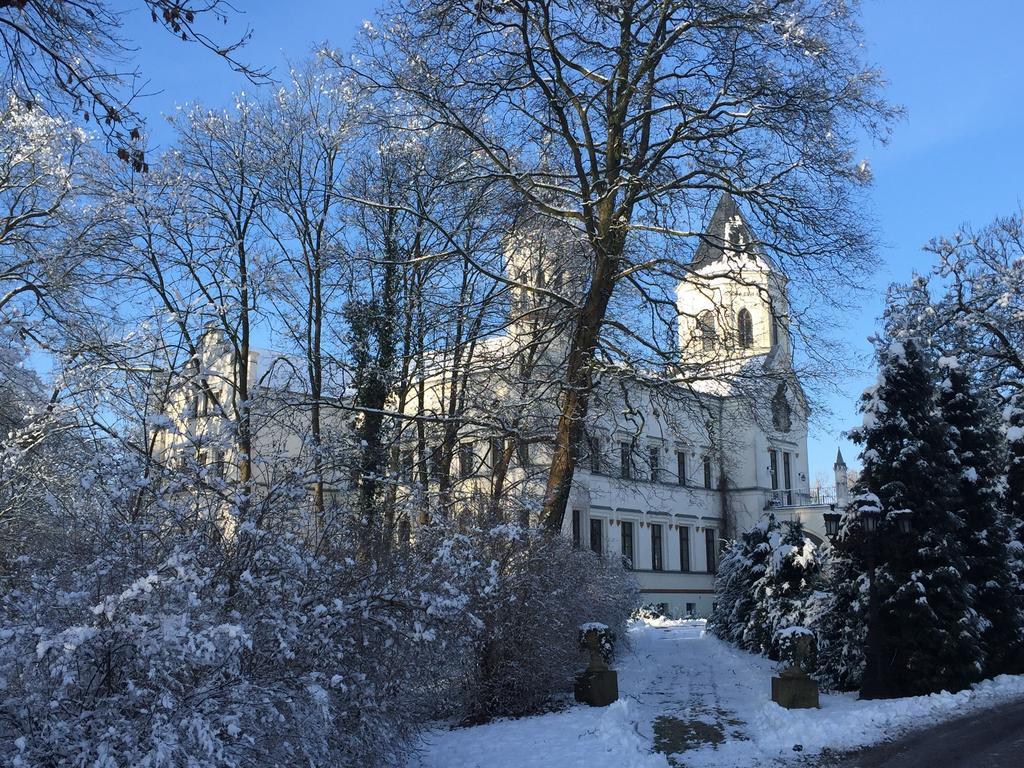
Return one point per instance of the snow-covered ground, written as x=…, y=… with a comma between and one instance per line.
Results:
x=680, y=690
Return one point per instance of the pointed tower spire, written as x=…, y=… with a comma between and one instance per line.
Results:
x=839, y=460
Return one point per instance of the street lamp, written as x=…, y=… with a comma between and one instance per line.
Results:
x=869, y=517
x=903, y=522
x=832, y=524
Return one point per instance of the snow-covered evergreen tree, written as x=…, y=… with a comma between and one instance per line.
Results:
x=764, y=583
x=839, y=613
x=928, y=631
x=977, y=460
x=741, y=565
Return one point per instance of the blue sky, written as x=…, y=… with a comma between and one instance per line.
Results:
x=957, y=156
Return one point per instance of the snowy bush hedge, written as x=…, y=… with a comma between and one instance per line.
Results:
x=765, y=582
x=534, y=593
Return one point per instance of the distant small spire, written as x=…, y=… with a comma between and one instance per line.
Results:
x=839, y=459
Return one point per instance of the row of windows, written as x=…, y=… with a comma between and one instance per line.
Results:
x=707, y=329
x=628, y=543
x=653, y=471
x=469, y=462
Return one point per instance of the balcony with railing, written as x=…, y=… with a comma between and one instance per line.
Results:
x=788, y=498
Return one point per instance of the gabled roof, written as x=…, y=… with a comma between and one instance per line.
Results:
x=711, y=248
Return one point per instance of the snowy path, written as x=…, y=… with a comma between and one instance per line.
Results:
x=687, y=699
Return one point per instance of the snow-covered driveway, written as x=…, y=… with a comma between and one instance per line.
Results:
x=687, y=699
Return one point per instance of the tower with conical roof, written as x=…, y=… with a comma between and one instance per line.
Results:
x=842, y=480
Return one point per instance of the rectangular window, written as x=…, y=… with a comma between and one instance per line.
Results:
x=595, y=455
x=787, y=476
x=218, y=462
x=523, y=449
x=596, y=542
x=684, y=548
x=681, y=467
x=691, y=608
x=576, y=530
x=773, y=469
x=626, y=459
x=434, y=461
x=466, y=460
x=657, y=563
x=627, y=544
x=655, y=460
x=711, y=550
x=707, y=472
x=497, y=450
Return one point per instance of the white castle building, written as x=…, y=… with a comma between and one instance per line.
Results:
x=671, y=465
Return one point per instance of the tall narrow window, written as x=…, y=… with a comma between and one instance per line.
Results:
x=773, y=469
x=596, y=538
x=707, y=472
x=745, y=328
x=626, y=461
x=787, y=476
x=628, y=554
x=595, y=454
x=657, y=563
x=681, y=467
x=655, y=460
x=523, y=452
x=684, y=548
x=466, y=460
x=706, y=330
x=775, y=327
x=711, y=550
x=576, y=530
x=497, y=450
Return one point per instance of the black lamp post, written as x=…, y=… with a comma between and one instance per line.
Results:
x=875, y=684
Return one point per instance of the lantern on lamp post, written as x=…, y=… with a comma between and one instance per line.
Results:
x=832, y=524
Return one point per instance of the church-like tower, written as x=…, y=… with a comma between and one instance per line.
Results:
x=732, y=305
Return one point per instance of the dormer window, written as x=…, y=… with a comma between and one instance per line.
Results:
x=735, y=236
x=745, y=328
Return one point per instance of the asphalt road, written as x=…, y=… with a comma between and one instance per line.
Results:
x=993, y=737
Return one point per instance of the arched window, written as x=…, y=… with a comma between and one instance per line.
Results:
x=706, y=330
x=745, y=328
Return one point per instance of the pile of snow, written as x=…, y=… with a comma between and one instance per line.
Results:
x=677, y=670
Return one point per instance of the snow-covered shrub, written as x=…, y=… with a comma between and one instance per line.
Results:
x=647, y=611
x=527, y=606
x=149, y=631
x=765, y=582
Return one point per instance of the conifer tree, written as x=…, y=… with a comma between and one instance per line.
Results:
x=927, y=631
x=741, y=566
x=1014, y=416
x=764, y=584
x=1014, y=501
x=840, y=612
x=781, y=594
x=976, y=459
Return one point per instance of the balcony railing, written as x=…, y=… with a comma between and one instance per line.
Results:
x=814, y=497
